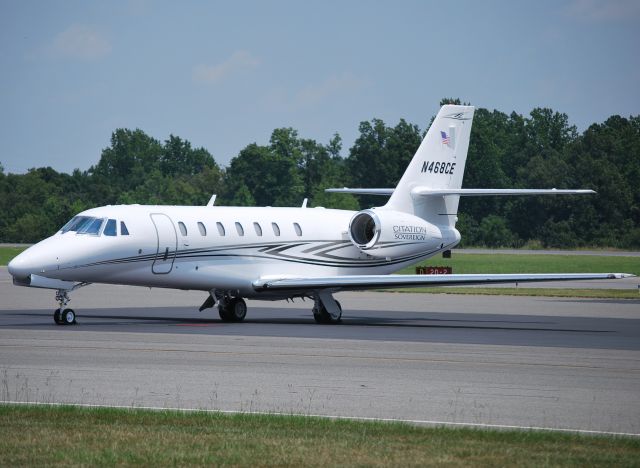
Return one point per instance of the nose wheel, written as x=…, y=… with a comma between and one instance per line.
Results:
x=62, y=315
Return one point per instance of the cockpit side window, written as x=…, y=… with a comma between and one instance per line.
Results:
x=91, y=226
x=123, y=229
x=110, y=228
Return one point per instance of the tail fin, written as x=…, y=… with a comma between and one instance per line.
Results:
x=438, y=164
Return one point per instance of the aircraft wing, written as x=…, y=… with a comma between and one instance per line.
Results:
x=363, y=282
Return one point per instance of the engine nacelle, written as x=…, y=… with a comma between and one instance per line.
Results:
x=392, y=234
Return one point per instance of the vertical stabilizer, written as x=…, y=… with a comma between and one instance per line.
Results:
x=438, y=164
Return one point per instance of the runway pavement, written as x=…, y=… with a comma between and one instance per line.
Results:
x=557, y=363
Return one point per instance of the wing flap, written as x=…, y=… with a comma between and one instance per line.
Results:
x=363, y=282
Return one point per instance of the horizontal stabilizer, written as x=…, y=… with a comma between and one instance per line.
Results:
x=424, y=191
x=363, y=282
x=362, y=191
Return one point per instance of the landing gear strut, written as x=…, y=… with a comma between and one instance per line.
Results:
x=63, y=316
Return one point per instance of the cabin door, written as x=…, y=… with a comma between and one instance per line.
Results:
x=167, y=244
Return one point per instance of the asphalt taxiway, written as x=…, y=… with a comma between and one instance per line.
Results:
x=486, y=360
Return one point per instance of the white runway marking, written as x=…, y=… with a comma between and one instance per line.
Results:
x=327, y=416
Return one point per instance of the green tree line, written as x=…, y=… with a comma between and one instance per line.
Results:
x=541, y=150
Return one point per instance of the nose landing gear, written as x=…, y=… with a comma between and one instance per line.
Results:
x=63, y=316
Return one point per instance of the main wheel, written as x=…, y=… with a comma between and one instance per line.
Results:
x=223, y=311
x=68, y=317
x=56, y=317
x=234, y=310
x=238, y=309
x=321, y=315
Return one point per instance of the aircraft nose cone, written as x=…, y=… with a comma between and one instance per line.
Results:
x=19, y=267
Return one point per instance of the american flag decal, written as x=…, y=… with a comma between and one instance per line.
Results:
x=445, y=138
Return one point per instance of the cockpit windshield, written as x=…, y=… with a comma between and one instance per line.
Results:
x=91, y=226
x=84, y=225
x=74, y=224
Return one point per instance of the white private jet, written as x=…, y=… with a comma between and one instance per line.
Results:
x=277, y=253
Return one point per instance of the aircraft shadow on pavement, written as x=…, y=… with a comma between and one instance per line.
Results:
x=114, y=317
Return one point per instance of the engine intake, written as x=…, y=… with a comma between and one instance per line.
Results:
x=392, y=234
x=364, y=229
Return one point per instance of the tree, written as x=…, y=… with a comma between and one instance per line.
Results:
x=132, y=156
x=178, y=158
x=506, y=150
x=493, y=232
x=272, y=179
x=381, y=154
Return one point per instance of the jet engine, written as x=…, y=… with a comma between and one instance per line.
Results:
x=392, y=234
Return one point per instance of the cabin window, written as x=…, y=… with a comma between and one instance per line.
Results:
x=91, y=226
x=202, y=229
x=276, y=229
x=258, y=229
x=239, y=229
x=183, y=228
x=298, y=229
x=110, y=228
x=220, y=228
x=123, y=229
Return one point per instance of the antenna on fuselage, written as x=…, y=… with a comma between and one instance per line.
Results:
x=212, y=200
x=304, y=203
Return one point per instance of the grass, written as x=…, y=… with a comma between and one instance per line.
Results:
x=40, y=435
x=539, y=263
x=7, y=254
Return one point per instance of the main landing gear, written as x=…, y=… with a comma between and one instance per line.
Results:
x=322, y=313
x=62, y=315
x=232, y=308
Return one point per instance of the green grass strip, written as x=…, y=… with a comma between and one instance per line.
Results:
x=528, y=263
x=73, y=436
x=8, y=253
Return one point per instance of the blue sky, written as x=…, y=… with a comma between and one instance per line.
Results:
x=225, y=74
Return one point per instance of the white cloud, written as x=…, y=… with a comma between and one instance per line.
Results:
x=80, y=42
x=239, y=60
x=604, y=10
